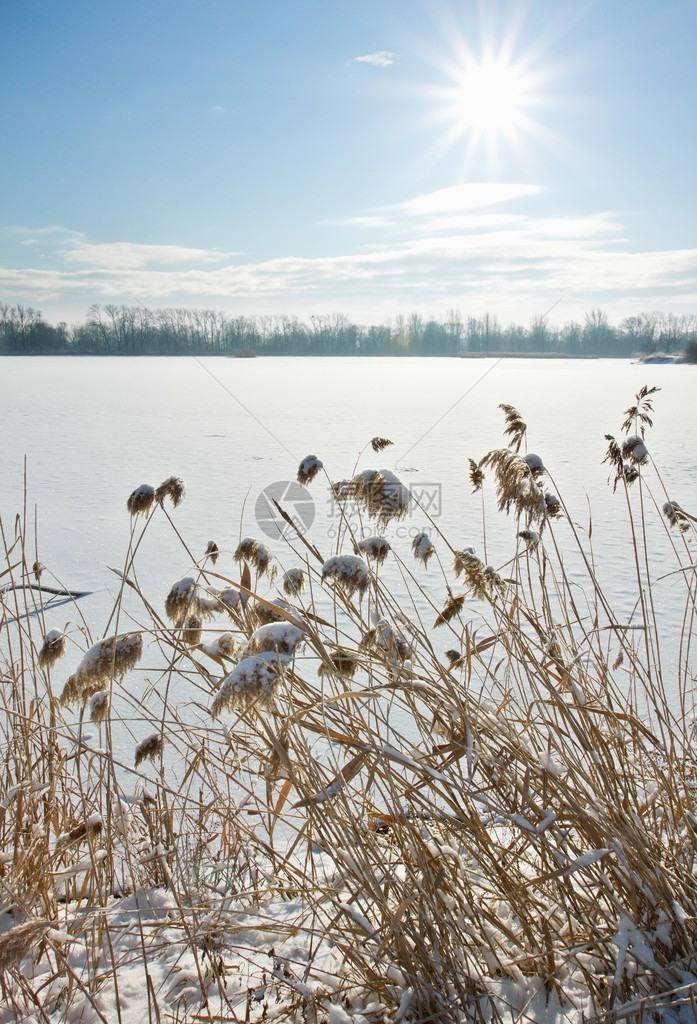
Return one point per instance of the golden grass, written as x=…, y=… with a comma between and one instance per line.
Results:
x=514, y=805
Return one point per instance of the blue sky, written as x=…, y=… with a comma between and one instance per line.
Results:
x=370, y=157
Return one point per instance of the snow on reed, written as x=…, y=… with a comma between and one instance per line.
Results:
x=53, y=648
x=423, y=547
x=255, y=552
x=279, y=637
x=375, y=548
x=252, y=681
x=141, y=500
x=149, y=748
x=105, y=661
x=349, y=573
x=293, y=582
x=381, y=494
x=308, y=469
x=212, y=551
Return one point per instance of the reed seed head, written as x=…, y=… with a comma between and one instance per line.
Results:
x=308, y=469
x=37, y=568
x=476, y=476
x=191, y=631
x=531, y=538
x=281, y=638
x=515, y=426
x=182, y=600
x=172, y=488
x=376, y=548
x=453, y=606
x=107, y=660
x=422, y=547
x=149, y=748
x=53, y=648
x=293, y=582
x=343, y=662
x=380, y=494
x=379, y=443
x=635, y=451
x=252, y=681
x=254, y=552
x=19, y=941
x=212, y=551
x=534, y=464
x=99, y=706
x=676, y=516
x=349, y=573
x=141, y=500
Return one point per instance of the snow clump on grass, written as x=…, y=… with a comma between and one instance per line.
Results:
x=381, y=494
x=254, y=552
x=141, y=500
x=279, y=637
x=376, y=548
x=252, y=681
x=422, y=547
x=349, y=573
x=293, y=581
x=308, y=469
x=105, y=661
x=53, y=648
x=635, y=451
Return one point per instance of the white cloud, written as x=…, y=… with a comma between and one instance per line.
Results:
x=134, y=256
x=451, y=251
x=217, y=109
x=379, y=59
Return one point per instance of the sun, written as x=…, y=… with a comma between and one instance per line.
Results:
x=488, y=91
x=489, y=99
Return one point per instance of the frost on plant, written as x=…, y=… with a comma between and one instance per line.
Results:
x=252, y=681
x=349, y=573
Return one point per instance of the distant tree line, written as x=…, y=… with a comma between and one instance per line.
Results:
x=135, y=330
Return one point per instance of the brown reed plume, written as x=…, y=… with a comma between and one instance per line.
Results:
x=378, y=444
x=172, y=488
x=141, y=500
x=293, y=582
x=375, y=548
x=255, y=552
x=149, y=749
x=452, y=607
x=515, y=426
x=476, y=476
x=109, y=659
x=381, y=494
x=349, y=573
x=343, y=663
x=423, y=547
x=212, y=551
x=308, y=469
x=53, y=648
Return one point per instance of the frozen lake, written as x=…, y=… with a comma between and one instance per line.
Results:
x=92, y=429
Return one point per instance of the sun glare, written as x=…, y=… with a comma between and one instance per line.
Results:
x=490, y=89
x=489, y=99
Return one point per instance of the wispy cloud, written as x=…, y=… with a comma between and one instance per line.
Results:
x=217, y=109
x=379, y=59
x=455, y=248
x=134, y=256
x=456, y=199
